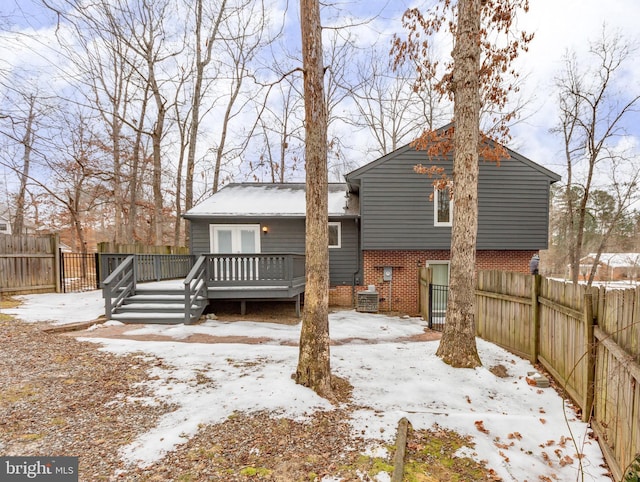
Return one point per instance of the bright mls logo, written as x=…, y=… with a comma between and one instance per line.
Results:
x=49, y=469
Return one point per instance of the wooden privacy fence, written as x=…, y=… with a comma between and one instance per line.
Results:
x=589, y=340
x=29, y=264
x=109, y=247
x=149, y=267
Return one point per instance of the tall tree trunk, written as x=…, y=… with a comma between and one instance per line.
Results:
x=235, y=91
x=118, y=197
x=314, y=369
x=27, y=142
x=201, y=63
x=135, y=171
x=458, y=345
x=156, y=142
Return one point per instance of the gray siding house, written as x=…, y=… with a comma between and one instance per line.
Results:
x=385, y=221
x=270, y=218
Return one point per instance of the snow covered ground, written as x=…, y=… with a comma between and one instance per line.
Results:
x=523, y=432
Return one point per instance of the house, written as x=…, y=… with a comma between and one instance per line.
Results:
x=385, y=221
x=5, y=221
x=270, y=218
x=6, y=226
x=612, y=266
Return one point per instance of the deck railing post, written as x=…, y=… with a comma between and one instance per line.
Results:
x=289, y=270
x=135, y=274
x=107, y=300
x=156, y=268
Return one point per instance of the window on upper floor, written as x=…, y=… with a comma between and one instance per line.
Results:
x=335, y=235
x=442, y=207
x=4, y=227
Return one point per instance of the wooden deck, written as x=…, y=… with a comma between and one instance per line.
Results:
x=241, y=277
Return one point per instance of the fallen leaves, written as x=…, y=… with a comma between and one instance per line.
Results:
x=65, y=397
x=480, y=426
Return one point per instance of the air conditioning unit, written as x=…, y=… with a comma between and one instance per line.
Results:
x=367, y=302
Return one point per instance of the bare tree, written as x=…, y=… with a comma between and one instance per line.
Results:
x=389, y=108
x=91, y=39
x=75, y=181
x=593, y=109
x=203, y=48
x=458, y=346
x=146, y=34
x=314, y=369
x=23, y=129
x=27, y=141
x=281, y=129
x=244, y=34
x=475, y=74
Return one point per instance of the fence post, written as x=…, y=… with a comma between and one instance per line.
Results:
x=97, y=260
x=424, y=284
x=535, y=316
x=55, y=245
x=589, y=343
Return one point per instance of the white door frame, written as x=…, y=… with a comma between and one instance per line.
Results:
x=235, y=236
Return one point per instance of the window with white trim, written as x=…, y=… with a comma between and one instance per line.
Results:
x=442, y=207
x=335, y=235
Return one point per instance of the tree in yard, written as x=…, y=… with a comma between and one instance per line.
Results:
x=23, y=131
x=387, y=105
x=314, y=370
x=27, y=142
x=594, y=105
x=475, y=76
x=76, y=182
x=105, y=71
x=281, y=130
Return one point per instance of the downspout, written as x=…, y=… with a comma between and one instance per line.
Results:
x=355, y=273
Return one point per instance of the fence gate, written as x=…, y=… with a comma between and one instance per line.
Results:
x=438, y=295
x=79, y=272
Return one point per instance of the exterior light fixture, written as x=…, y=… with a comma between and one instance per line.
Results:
x=265, y=229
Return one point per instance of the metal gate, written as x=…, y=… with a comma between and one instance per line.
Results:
x=79, y=272
x=438, y=295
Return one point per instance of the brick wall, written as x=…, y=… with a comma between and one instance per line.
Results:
x=342, y=296
x=517, y=261
x=401, y=294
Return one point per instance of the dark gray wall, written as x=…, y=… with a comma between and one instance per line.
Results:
x=396, y=212
x=286, y=235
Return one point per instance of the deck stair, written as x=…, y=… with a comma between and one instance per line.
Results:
x=131, y=297
x=155, y=304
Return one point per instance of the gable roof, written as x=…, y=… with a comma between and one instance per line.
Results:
x=352, y=177
x=271, y=200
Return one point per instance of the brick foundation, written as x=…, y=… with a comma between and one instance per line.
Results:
x=342, y=296
x=401, y=294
